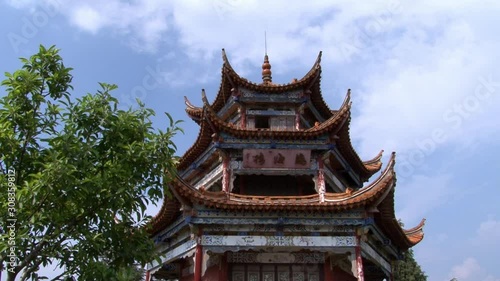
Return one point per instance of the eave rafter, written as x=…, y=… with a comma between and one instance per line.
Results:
x=385, y=218
x=202, y=142
x=169, y=210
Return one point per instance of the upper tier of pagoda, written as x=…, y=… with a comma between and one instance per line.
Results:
x=303, y=94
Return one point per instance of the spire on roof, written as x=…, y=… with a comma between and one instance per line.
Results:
x=266, y=66
x=266, y=71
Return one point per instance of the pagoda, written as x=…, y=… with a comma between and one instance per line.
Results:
x=273, y=190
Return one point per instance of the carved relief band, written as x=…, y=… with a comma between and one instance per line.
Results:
x=279, y=241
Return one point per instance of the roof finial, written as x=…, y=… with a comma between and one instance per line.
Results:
x=266, y=66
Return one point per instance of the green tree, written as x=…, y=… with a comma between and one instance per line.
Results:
x=408, y=269
x=76, y=175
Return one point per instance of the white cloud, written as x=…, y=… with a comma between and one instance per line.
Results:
x=471, y=270
x=143, y=23
x=468, y=270
x=487, y=235
x=489, y=229
x=421, y=83
x=421, y=195
x=88, y=18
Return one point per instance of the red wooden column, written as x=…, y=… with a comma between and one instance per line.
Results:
x=359, y=260
x=243, y=117
x=223, y=268
x=321, y=180
x=297, y=120
x=226, y=175
x=328, y=271
x=148, y=276
x=391, y=277
x=198, y=258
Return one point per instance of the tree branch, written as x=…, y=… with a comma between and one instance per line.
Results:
x=31, y=269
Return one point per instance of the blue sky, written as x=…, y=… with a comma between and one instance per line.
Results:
x=424, y=77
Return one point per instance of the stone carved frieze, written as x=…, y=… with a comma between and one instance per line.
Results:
x=271, y=112
x=278, y=241
x=246, y=93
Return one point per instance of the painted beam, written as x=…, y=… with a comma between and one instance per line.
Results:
x=238, y=144
x=229, y=104
x=270, y=99
x=238, y=220
x=391, y=249
x=284, y=216
x=269, y=228
x=270, y=112
x=171, y=230
x=203, y=157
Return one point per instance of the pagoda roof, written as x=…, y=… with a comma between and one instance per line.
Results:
x=334, y=123
x=332, y=202
x=231, y=81
x=379, y=194
x=168, y=212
